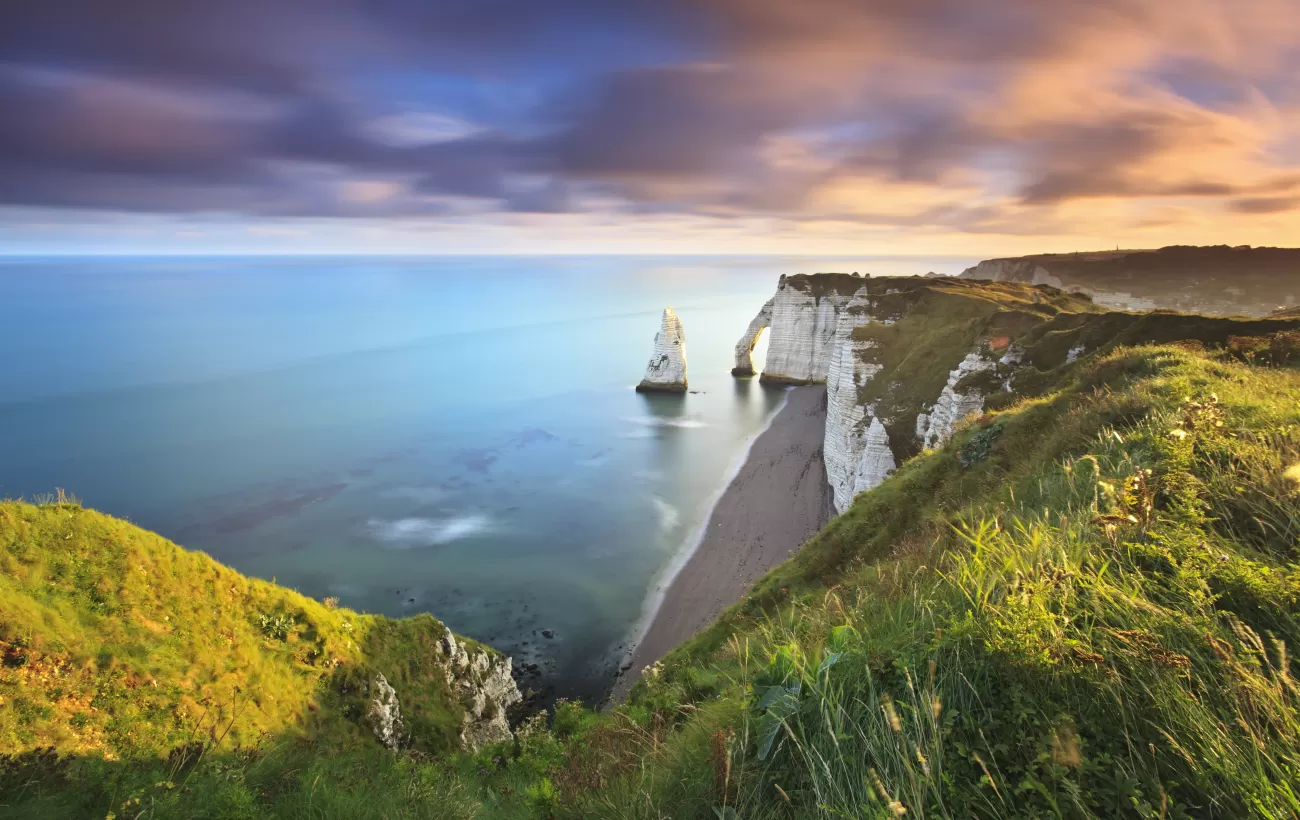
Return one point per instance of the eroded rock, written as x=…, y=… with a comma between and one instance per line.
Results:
x=666, y=370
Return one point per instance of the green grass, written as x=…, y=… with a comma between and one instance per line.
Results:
x=1085, y=605
x=1092, y=619
x=118, y=642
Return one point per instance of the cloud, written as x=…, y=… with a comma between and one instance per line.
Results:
x=1011, y=116
x=1266, y=205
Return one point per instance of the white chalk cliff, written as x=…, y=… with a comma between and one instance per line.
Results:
x=666, y=370
x=849, y=423
x=803, y=322
x=812, y=340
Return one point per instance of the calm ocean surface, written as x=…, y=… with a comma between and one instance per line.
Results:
x=451, y=435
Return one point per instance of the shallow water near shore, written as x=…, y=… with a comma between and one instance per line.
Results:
x=456, y=436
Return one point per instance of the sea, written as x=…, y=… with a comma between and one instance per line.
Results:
x=452, y=435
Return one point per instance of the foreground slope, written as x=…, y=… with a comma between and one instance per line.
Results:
x=118, y=643
x=1084, y=605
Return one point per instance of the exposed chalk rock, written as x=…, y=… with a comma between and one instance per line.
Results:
x=485, y=689
x=1042, y=276
x=1075, y=352
x=803, y=323
x=934, y=427
x=745, y=347
x=385, y=713
x=875, y=464
x=666, y=370
x=846, y=418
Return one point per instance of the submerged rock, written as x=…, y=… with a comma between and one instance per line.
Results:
x=666, y=370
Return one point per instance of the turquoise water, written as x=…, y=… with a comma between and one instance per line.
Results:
x=451, y=435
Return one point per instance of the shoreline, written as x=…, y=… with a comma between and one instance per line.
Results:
x=655, y=601
x=775, y=499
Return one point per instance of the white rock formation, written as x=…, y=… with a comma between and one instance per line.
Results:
x=1042, y=276
x=874, y=465
x=803, y=331
x=483, y=684
x=667, y=368
x=801, y=344
x=849, y=434
x=385, y=713
x=811, y=341
x=1075, y=352
x=745, y=347
x=934, y=427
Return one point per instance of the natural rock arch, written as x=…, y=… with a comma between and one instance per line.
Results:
x=745, y=347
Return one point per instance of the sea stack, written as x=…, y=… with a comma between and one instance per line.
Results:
x=666, y=371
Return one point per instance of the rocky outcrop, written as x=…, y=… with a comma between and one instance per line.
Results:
x=666, y=371
x=745, y=347
x=482, y=683
x=385, y=713
x=935, y=426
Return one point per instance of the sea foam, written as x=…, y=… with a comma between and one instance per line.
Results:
x=404, y=533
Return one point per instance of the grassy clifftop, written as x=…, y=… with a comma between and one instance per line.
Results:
x=118, y=642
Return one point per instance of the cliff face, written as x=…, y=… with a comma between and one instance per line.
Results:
x=666, y=370
x=1219, y=280
x=906, y=360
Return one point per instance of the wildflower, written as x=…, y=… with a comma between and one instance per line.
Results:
x=1292, y=474
x=887, y=703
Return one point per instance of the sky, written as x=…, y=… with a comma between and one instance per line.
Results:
x=877, y=127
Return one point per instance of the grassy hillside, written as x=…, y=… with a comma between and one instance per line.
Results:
x=118, y=645
x=1084, y=605
x=1216, y=279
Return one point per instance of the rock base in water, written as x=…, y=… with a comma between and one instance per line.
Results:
x=651, y=387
